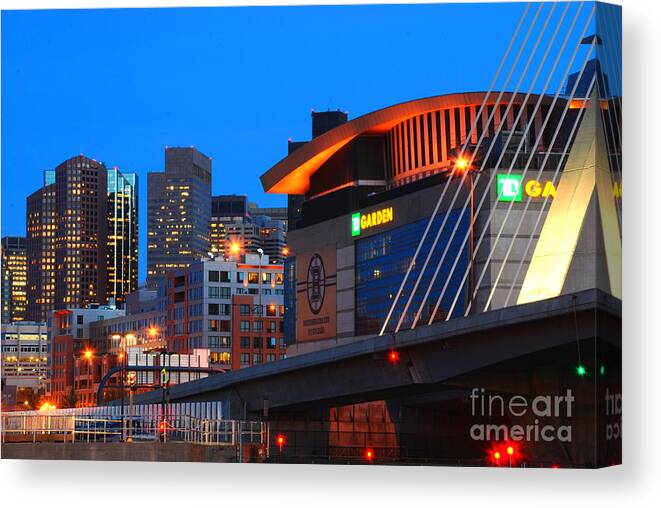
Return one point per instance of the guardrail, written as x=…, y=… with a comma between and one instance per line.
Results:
x=30, y=427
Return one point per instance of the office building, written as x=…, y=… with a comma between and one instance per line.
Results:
x=274, y=212
x=122, y=234
x=76, y=362
x=179, y=212
x=14, y=278
x=222, y=306
x=273, y=237
x=41, y=225
x=25, y=354
x=225, y=209
x=82, y=237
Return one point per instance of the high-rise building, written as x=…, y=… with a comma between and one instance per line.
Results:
x=14, y=279
x=41, y=225
x=122, y=234
x=275, y=212
x=81, y=236
x=243, y=236
x=179, y=212
x=225, y=209
x=273, y=236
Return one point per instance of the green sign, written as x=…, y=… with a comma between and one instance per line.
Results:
x=509, y=187
x=355, y=224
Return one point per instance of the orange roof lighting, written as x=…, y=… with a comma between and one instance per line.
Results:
x=292, y=174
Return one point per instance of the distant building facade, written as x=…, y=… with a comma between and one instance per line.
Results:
x=73, y=374
x=41, y=224
x=122, y=234
x=179, y=211
x=215, y=304
x=14, y=279
x=225, y=210
x=25, y=355
x=82, y=237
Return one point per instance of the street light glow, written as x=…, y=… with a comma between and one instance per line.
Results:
x=461, y=164
x=88, y=354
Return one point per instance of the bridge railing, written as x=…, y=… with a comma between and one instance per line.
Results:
x=37, y=427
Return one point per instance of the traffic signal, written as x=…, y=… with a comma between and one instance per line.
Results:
x=581, y=371
x=280, y=440
x=393, y=356
x=369, y=455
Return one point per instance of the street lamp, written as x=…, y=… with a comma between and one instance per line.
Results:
x=235, y=248
x=260, y=251
x=122, y=359
x=463, y=166
x=89, y=356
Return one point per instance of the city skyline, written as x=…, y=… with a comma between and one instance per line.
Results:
x=136, y=116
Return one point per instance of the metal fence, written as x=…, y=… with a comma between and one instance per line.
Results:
x=48, y=426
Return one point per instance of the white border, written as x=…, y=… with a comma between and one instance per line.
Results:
x=637, y=483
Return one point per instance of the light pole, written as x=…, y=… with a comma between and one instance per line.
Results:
x=89, y=356
x=462, y=165
x=122, y=359
x=260, y=251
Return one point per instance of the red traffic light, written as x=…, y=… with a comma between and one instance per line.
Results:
x=369, y=455
x=280, y=439
x=496, y=455
x=393, y=356
x=510, y=450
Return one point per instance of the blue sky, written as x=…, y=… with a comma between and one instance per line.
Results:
x=119, y=85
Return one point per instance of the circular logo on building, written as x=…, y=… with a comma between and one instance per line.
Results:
x=316, y=284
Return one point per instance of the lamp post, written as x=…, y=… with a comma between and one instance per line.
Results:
x=89, y=356
x=122, y=359
x=260, y=251
x=462, y=165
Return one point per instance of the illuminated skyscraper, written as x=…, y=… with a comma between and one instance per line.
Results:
x=14, y=279
x=40, y=250
x=179, y=211
x=82, y=237
x=122, y=234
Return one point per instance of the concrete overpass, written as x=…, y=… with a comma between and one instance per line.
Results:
x=432, y=359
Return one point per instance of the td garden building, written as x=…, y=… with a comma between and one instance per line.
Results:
x=449, y=206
